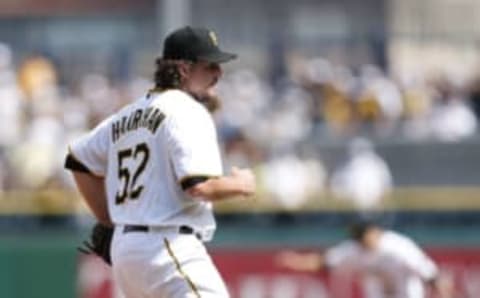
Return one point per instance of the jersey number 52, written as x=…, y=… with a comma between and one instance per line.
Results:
x=130, y=189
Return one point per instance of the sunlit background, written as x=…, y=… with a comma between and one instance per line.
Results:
x=343, y=109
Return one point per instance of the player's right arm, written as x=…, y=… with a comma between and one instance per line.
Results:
x=194, y=152
x=240, y=182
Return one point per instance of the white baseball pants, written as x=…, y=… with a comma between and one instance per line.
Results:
x=164, y=264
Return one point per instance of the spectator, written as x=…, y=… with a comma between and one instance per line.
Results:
x=452, y=120
x=11, y=101
x=292, y=181
x=364, y=179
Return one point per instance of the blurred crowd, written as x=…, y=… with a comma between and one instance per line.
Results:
x=280, y=126
x=274, y=126
x=40, y=117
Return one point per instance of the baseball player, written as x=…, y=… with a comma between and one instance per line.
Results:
x=391, y=264
x=152, y=170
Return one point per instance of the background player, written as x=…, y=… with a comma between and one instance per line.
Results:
x=391, y=264
x=159, y=161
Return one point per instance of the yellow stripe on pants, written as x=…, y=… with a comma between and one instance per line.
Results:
x=179, y=268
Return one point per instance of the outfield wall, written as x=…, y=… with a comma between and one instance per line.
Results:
x=253, y=273
x=43, y=262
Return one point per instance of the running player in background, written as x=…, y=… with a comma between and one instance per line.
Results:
x=152, y=170
x=391, y=264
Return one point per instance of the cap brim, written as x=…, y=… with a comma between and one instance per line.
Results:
x=218, y=57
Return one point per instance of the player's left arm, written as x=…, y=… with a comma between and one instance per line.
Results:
x=92, y=189
x=303, y=262
x=442, y=286
x=87, y=160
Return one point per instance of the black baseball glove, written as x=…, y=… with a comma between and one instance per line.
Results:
x=100, y=242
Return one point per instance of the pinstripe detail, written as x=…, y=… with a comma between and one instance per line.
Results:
x=179, y=268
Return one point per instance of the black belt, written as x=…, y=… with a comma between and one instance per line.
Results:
x=145, y=229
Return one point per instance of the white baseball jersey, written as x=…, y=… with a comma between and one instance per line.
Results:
x=397, y=269
x=144, y=152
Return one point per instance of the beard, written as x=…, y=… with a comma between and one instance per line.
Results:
x=209, y=100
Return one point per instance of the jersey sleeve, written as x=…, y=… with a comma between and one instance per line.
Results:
x=346, y=253
x=91, y=150
x=192, y=144
x=416, y=260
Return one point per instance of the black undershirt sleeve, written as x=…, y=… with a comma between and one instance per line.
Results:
x=192, y=181
x=74, y=165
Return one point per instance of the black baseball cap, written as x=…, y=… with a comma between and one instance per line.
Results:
x=358, y=227
x=194, y=44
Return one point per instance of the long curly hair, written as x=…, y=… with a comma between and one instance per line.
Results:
x=168, y=76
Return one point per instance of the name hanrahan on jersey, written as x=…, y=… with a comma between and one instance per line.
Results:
x=149, y=118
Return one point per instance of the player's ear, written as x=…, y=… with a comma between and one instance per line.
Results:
x=184, y=68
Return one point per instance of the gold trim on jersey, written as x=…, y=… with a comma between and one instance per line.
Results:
x=155, y=90
x=179, y=268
